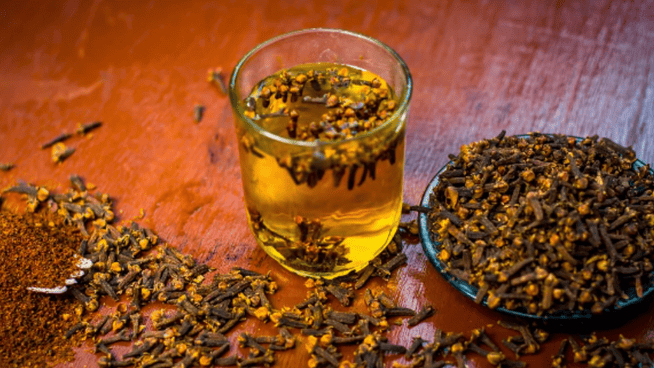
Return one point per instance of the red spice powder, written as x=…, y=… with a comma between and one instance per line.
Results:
x=35, y=250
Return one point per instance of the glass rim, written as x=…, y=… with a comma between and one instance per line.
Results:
x=237, y=107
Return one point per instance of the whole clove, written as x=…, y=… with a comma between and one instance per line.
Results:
x=392, y=348
x=84, y=129
x=228, y=361
x=399, y=312
x=423, y=314
x=138, y=351
x=216, y=78
x=60, y=138
x=78, y=327
x=60, y=152
x=6, y=166
x=343, y=317
x=198, y=112
x=416, y=345
x=122, y=336
x=343, y=295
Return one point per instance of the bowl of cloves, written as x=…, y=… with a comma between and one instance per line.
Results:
x=543, y=226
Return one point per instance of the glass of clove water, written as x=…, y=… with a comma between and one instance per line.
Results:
x=320, y=117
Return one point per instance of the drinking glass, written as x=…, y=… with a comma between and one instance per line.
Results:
x=321, y=209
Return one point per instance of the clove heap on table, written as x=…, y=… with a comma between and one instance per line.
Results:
x=547, y=223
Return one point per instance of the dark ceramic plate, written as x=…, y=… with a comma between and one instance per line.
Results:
x=431, y=247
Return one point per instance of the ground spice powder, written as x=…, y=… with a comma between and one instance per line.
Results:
x=36, y=249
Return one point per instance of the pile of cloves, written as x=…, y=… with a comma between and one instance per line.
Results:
x=194, y=328
x=191, y=331
x=353, y=102
x=449, y=348
x=129, y=262
x=312, y=251
x=131, y=267
x=600, y=352
x=546, y=223
x=327, y=105
x=198, y=324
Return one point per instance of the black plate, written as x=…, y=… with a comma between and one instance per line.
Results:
x=431, y=248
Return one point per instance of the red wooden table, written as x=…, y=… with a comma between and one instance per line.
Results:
x=571, y=67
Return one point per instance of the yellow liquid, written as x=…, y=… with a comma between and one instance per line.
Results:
x=338, y=221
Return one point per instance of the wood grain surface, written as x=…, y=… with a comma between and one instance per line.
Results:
x=572, y=67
